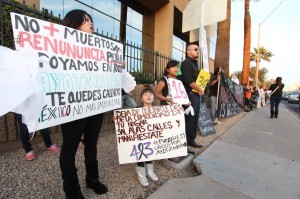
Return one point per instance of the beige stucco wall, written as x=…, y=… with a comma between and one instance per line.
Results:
x=160, y=26
x=163, y=31
x=180, y=4
x=31, y=2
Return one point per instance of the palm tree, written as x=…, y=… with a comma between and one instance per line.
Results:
x=223, y=42
x=264, y=54
x=247, y=43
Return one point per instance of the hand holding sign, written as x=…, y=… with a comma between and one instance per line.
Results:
x=202, y=80
x=178, y=91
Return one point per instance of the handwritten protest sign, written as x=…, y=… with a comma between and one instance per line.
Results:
x=178, y=91
x=150, y=133
x=205, y=121
x=202, y=80
x=82, y=74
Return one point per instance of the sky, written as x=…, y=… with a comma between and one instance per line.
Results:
x=279, y=33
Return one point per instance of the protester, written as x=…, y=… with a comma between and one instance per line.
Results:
x=247, y=91
x=276, y=95
x=261, y=91
x=72, y=131
x=255, y=95
x=213, y=92
x=190, y=73
x=144, y=169
x=162, y=90
x=25, y=139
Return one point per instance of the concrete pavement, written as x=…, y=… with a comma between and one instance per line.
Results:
x=258, y=157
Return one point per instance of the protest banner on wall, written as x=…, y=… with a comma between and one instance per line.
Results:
x=178, y=91
x=231, y=98
x=202, y=80
x=82, y=74
x=205, y=123
x=150, y=133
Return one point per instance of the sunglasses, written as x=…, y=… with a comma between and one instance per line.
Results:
x=195, y=49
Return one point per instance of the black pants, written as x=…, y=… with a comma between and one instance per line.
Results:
x=274, y=105
x=24, y=135
x=71, y=134
x=191, y=122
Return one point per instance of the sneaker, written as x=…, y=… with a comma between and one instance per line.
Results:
x=30, y=155
x=54, y=148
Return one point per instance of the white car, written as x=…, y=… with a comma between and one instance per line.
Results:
x=293, y=97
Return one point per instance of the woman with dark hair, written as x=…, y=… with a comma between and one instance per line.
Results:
x=162, y=88
x=72, y=131
x=276, y=95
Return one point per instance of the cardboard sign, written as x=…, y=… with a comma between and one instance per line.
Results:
x=178, y=91
x=81, y=72
x=150, y=133
x=202, y=80
x=205, y=122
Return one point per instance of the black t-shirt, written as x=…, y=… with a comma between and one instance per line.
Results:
x=213, y=90
x=189, y=72
x=165, y=91
x=278, y=92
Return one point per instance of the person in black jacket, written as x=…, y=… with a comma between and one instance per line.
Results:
x=190, y=72
x=276, y=95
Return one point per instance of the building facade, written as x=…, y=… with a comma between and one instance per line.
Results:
x=155, y=24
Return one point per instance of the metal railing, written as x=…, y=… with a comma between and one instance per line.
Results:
x=146, y=65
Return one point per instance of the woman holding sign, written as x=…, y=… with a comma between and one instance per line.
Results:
x=72, y=131
x=276, y=96
x=163, y=90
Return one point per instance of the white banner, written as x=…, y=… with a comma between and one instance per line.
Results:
x=200, y=13
x=81, y=74
x=150, y=133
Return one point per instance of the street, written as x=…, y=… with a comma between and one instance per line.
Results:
x=293, y=108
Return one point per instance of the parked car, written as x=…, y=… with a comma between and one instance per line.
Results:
x=299, y=100
x=293, y=97
x=285, y=96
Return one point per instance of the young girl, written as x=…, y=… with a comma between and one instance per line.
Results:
x=145, y=169
x=72, y=131
x=162, y=91
x=162, y=88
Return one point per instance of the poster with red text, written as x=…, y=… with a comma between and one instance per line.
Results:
x=150, y=133
x=80, y=74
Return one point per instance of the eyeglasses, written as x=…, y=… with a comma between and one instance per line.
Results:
x=195, y=49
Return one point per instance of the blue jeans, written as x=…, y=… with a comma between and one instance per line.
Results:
x=24, y=135
x=213, y=101
x=128, y=102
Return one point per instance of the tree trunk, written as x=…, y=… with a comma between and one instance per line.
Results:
x=223, y=42
x=247, y=43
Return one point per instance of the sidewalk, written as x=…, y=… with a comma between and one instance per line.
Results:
x=258, y=157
